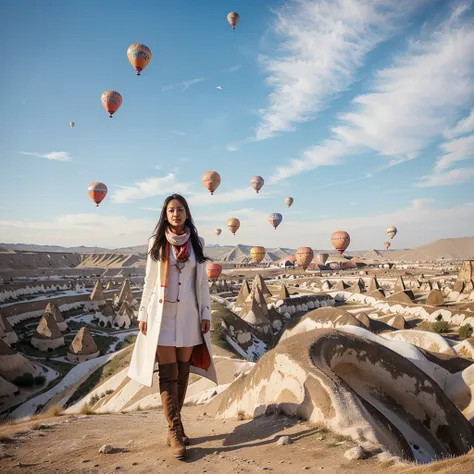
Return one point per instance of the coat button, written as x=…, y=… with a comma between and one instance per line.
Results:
x=161, y=301
x=177, y=301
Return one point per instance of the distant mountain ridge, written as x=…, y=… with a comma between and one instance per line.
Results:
x=454, y=248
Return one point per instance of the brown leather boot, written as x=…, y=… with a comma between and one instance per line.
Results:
x=183, y=377
x=169, y=398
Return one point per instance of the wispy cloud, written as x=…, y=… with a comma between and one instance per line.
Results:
x=149, y=188
x=184, y=85
x=466, y=125
x=460, y=149
x=237, y=195
x=322, y=45
x=411, y=105
x=54, y=155
x=449, y=178
x=231, y=148
x=348, y=181
x=233, y=68
x=178, y=132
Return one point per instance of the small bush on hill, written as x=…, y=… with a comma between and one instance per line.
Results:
x=465, y=331
x=440, y=327
x=25, y=380
x=40, y=380
x=86, y=409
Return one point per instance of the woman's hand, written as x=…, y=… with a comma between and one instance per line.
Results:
x=142, y=325
x=205, y=326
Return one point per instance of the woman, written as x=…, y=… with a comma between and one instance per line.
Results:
x=174, y=317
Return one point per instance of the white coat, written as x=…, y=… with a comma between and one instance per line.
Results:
x=151, y=311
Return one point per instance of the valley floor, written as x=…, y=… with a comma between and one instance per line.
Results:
x=71, y=445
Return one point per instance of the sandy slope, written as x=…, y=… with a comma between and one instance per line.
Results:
x=72, y=444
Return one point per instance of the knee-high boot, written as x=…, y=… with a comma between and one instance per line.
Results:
x=170, y=401
x=183, y=377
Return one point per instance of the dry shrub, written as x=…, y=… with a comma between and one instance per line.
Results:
x=86, y=409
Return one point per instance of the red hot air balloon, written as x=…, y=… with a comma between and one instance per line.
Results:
x=212, y=180
x=139, y=56
x=97, y=192
x=340, y=241
x=257, y=183
x=304, y=257
x=111, y=101
x=214, y=271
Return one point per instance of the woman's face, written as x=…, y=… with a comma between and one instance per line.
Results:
x=176, y=213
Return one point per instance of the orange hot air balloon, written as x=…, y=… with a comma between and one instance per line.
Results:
x=257, y=254
x=289, y=201
x=139, y=56
x=233, y=18
x=304, y=256
x=218, y=232
x=340, y=240
x=387, y=245
x=111, y=101
x=97, y=192
x=214, y=271
x=233, y=224
x=257, y=183
x=211, y=179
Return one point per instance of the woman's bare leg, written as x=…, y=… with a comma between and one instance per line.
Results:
x=184, y=353
x=166, y=354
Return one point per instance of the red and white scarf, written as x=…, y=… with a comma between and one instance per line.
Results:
x=180, y=245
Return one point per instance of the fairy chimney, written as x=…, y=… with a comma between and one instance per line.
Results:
x=54, y=310
x=47, y=336
x=83, y=347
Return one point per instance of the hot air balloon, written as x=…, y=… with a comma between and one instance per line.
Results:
x=257, y=254
x=218, y=232
x=72, y=124
x=211, y=179
x=97, y=192
x=392, y=231
x=275, y=219
x=111, y=101
x=289, y=201
x=340, y=240
x=233, y=18
x=321, y=258
x=139, y=56
x=214, y=271
x=387, y=245
x=304, y=256
x=233, y=224
x=257, y=183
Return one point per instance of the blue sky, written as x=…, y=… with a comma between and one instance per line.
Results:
x=362, y=110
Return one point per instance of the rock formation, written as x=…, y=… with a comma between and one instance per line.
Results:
x=8, y=334
x=260, y=283
x=7, y=390
x=125, y=294
x=124, y=316
x=435, y=298
x=47, y=336
x=13, y=364
x=53, y=309
x=243, y=294
x=283, y=292
x=97, y=295
x=358, y=385
x=465, y=279
x=83, y=347
x=105, y=315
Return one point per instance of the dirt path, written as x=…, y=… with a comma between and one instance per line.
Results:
x=71, y=445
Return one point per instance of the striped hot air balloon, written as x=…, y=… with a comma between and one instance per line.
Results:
x=139, y=56
x=97, y=192
x=340, y=240
x=111, y=101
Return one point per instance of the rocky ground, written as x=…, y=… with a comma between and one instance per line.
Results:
x=71, y=445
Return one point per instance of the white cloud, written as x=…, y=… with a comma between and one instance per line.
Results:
x=149, y=188
x=54, y=155
x=348, y=181
x=413, y=102
x=232, y=68
x=184, y=85
x=80, y=229
x=242, y=194
x=178, y=132
x=323, y=44
x=231, y=148
x=466, y=125
x=460, y=149
x=449, y=178
x=327, y=154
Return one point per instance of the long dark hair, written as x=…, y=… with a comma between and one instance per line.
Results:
x=157, y=252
